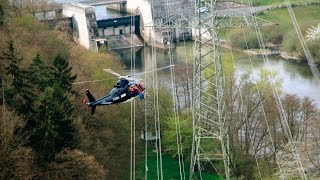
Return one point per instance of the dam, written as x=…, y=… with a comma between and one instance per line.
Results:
x=140, y=25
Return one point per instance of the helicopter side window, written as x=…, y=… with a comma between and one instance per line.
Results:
x=123, y=83
x=118, y=84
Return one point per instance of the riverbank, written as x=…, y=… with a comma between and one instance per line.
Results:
x=275, y=2
x=281, y=39
x=271, y=49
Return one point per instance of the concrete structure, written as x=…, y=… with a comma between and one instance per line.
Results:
x=92, y=34
x=103, y=2
x=153, y=16
x=159, y=13
x=121, y=32
x=119, y=26
x=84, y=23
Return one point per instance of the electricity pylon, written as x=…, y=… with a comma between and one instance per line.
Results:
x=210, y=128
x=210, y=125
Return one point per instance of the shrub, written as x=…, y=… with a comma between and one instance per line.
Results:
x=269, y=34
x=75, y=164
x=272, y=34
x=314, y=47
x=290, y=42
x=238, y=40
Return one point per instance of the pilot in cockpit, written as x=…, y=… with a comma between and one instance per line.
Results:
x=121, y=83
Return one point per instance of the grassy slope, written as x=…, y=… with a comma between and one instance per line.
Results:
x=273, y=2
x=306, y=16
x=170, y=168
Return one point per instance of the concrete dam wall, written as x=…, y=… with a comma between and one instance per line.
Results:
x=84, y=23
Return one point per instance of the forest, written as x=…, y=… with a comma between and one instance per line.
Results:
x=46, y=132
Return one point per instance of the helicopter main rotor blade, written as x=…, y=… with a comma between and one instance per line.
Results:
x=112, y=72
x=165, y=67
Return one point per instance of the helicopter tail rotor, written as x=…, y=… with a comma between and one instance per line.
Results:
x=93, y=109
x=92, y=100
x=90, y=97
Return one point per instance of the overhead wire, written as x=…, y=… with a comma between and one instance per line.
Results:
x=188, y=74
x=133, y=107
x=156, y=104
x=97, y=80
x=145, y=117
x=174, y=98
x=193, y=144
x=311, y=62
x=263, y=108
x=313, y=68
x=107, y=79
x=241, y=98
x=277, y=98
x=158, y=122
x=3, y=113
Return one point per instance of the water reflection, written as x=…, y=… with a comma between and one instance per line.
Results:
x=101, y=11
x=297, y=77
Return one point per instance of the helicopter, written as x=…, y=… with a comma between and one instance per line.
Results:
x=125, y=90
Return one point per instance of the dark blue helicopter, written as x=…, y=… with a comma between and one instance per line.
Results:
x=125, y=90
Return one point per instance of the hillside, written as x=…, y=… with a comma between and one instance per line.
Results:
x=78, y=145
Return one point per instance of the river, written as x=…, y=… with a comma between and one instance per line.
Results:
x=101, y=11
x=296, y=77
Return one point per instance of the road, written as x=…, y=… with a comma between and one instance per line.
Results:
x=242, y=11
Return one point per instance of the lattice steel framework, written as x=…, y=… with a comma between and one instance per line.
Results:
x=211, y=134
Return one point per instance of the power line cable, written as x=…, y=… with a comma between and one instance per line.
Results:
x=277, y=98
x=304, y=45
x=262, y=107
x=174, y=98
x=241, y=98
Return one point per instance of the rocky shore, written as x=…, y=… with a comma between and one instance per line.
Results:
x=270, y=49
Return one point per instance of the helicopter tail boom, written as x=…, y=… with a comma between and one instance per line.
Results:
x=91, y=99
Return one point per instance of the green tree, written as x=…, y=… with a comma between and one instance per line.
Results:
x=18, y=91
x=3, y=12
x=75, y=164
x=55, y=129
x=62, y=73
x=314, y=50
x=172, y=132
x=15, y=160
x=38, y=73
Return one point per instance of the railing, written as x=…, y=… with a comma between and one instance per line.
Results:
x=102, y=2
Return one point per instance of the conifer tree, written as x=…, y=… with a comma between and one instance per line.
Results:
x=38, y=73
x=3, y=14
x=18, y=92
x=62, y=73
x=2, y=20
x=55, y=128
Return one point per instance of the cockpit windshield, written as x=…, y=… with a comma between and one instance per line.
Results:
x=122, y=83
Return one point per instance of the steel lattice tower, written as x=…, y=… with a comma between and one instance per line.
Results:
x=210, y=125
x=210, y=136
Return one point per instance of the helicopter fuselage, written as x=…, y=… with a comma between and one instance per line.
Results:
x=116, y=95
x=120, y=93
